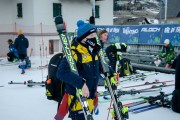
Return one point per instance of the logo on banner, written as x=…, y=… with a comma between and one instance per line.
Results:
x=150, y=29
x=130, y=31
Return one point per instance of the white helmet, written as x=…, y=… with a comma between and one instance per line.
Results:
x=166, y=41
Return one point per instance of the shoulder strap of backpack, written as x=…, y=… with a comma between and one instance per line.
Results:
x=79, y=56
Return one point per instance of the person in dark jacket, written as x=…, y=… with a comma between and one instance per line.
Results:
x=103, y=37
x=12, y=55
x=21, y=44
x=114, y=51
x=167, y=53
x=85, y=53
x=176, y=93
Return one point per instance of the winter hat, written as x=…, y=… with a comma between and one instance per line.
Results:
x=20, y=32
x=84, y=29
x=166, y=41
x=10, y=41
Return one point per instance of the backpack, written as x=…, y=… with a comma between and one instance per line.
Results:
x=124, y=67
x=28, y=63
x=54, y=86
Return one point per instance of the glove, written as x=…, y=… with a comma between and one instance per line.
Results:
x=113, y=81
x=157, y=62
x=124, y=113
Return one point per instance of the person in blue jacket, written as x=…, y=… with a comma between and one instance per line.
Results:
x=12, y=55
x=85, y=53
x=21, y=44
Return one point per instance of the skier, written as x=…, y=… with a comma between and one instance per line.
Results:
x=84, y=50
x=103, y=37
x=21, y=44
x=114, y=52
x=166, y=54
x=12, y=55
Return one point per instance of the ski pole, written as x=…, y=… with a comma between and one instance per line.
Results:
x=109, y=109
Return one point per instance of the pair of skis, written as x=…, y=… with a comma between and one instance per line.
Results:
x=133, y=91
x=128, y=92
x=150, y=83
x=141, y=76
x=67, y=50
x=163, y=102
x=66, y=46
x=154, y=102
x=29, y=83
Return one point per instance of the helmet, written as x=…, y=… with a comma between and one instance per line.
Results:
x=166, y=41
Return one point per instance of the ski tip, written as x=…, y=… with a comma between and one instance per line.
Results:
x=58, y=20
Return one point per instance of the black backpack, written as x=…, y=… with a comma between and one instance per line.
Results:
x=54, y=87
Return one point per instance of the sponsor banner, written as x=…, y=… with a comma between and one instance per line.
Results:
x=150, y=34
x=129, y=34
x=171, y=32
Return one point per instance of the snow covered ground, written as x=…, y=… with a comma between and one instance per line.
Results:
x=19, y=102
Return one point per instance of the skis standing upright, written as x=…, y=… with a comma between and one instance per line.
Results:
x=66, y=46
x=120, y=114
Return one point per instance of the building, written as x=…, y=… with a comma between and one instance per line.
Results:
x=36, y=19
x=173, y=12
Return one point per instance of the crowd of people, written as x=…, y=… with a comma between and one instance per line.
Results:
x=18, y=50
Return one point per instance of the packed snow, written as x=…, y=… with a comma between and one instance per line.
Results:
x=19, y=102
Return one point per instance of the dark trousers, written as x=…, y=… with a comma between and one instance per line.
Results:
x=22, y=56
x=112, y=60
x=11, y=56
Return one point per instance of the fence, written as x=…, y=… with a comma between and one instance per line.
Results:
x=144, y=34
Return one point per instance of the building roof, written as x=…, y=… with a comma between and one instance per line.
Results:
x=173, y=9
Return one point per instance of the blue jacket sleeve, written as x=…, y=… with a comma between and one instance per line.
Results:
x=16, y=44
x=64, y=74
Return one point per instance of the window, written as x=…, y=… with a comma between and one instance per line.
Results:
x=19, y=10
x=57, y=9
x=97, y=11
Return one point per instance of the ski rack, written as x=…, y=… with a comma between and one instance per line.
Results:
x=154, y=68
